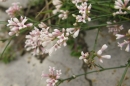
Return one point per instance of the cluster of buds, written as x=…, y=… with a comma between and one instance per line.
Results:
x=84, y=10
x=126, y=42
x=53, y=76
x=39, y=41
x=86, y=57
x=14, y=9
x=114, y=28
x=16, y=25
x=121, y=5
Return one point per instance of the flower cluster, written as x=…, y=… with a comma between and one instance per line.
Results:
x=53, y=76
x=121, y=5
x=84, y=56
x=16, y=25
x=126, y=42
x=39, y=41
x=114, y=28
x=14, y=9
x=84, y=10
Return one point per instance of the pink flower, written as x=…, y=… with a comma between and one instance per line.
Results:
x=16, y=25
x=124, y=43
x=14, y=9
x=99, y=53
x=34, y=42
x=114, y=28
x=53, y=76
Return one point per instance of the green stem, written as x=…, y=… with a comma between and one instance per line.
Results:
x=102, y=25
x=5, y=48
x=96, y=40
x=123, y=76
x=100, y=70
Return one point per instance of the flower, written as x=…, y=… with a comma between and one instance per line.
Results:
x=34, y=42
x=124, y=43
x=76, y=33
x=16, y=25
x=118, y=36
x=84, y=56
x=14, y=9
x=84, y=9
x=99, y=53
x=114, y=28
x=63, y=14
x=53, y=76
x=57, y=4
x=119, y=4
x=73, y=31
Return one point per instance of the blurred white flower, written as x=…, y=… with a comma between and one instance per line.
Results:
x=114, y=28
x=99, y=53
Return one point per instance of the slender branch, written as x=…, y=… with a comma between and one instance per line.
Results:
x=96, y=40
x=123, y=76
x=5, y=48
x=43, y=9
x=100, y=70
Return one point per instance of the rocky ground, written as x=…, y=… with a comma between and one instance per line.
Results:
x=26, y=70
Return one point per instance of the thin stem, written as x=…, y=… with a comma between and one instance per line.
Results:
x=102, y=25
x=100, y=70
x=96, y=40
x=123, y=76
x=43, y=9
x=5, y=48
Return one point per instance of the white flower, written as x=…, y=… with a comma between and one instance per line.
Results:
x=118, y=36
x=76, y=34
x=63, y=14
x=99, y=53
x=121, y=4
x=127, y=48
x=83, y=55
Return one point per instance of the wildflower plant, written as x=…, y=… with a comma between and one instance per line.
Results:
x=51, y=28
